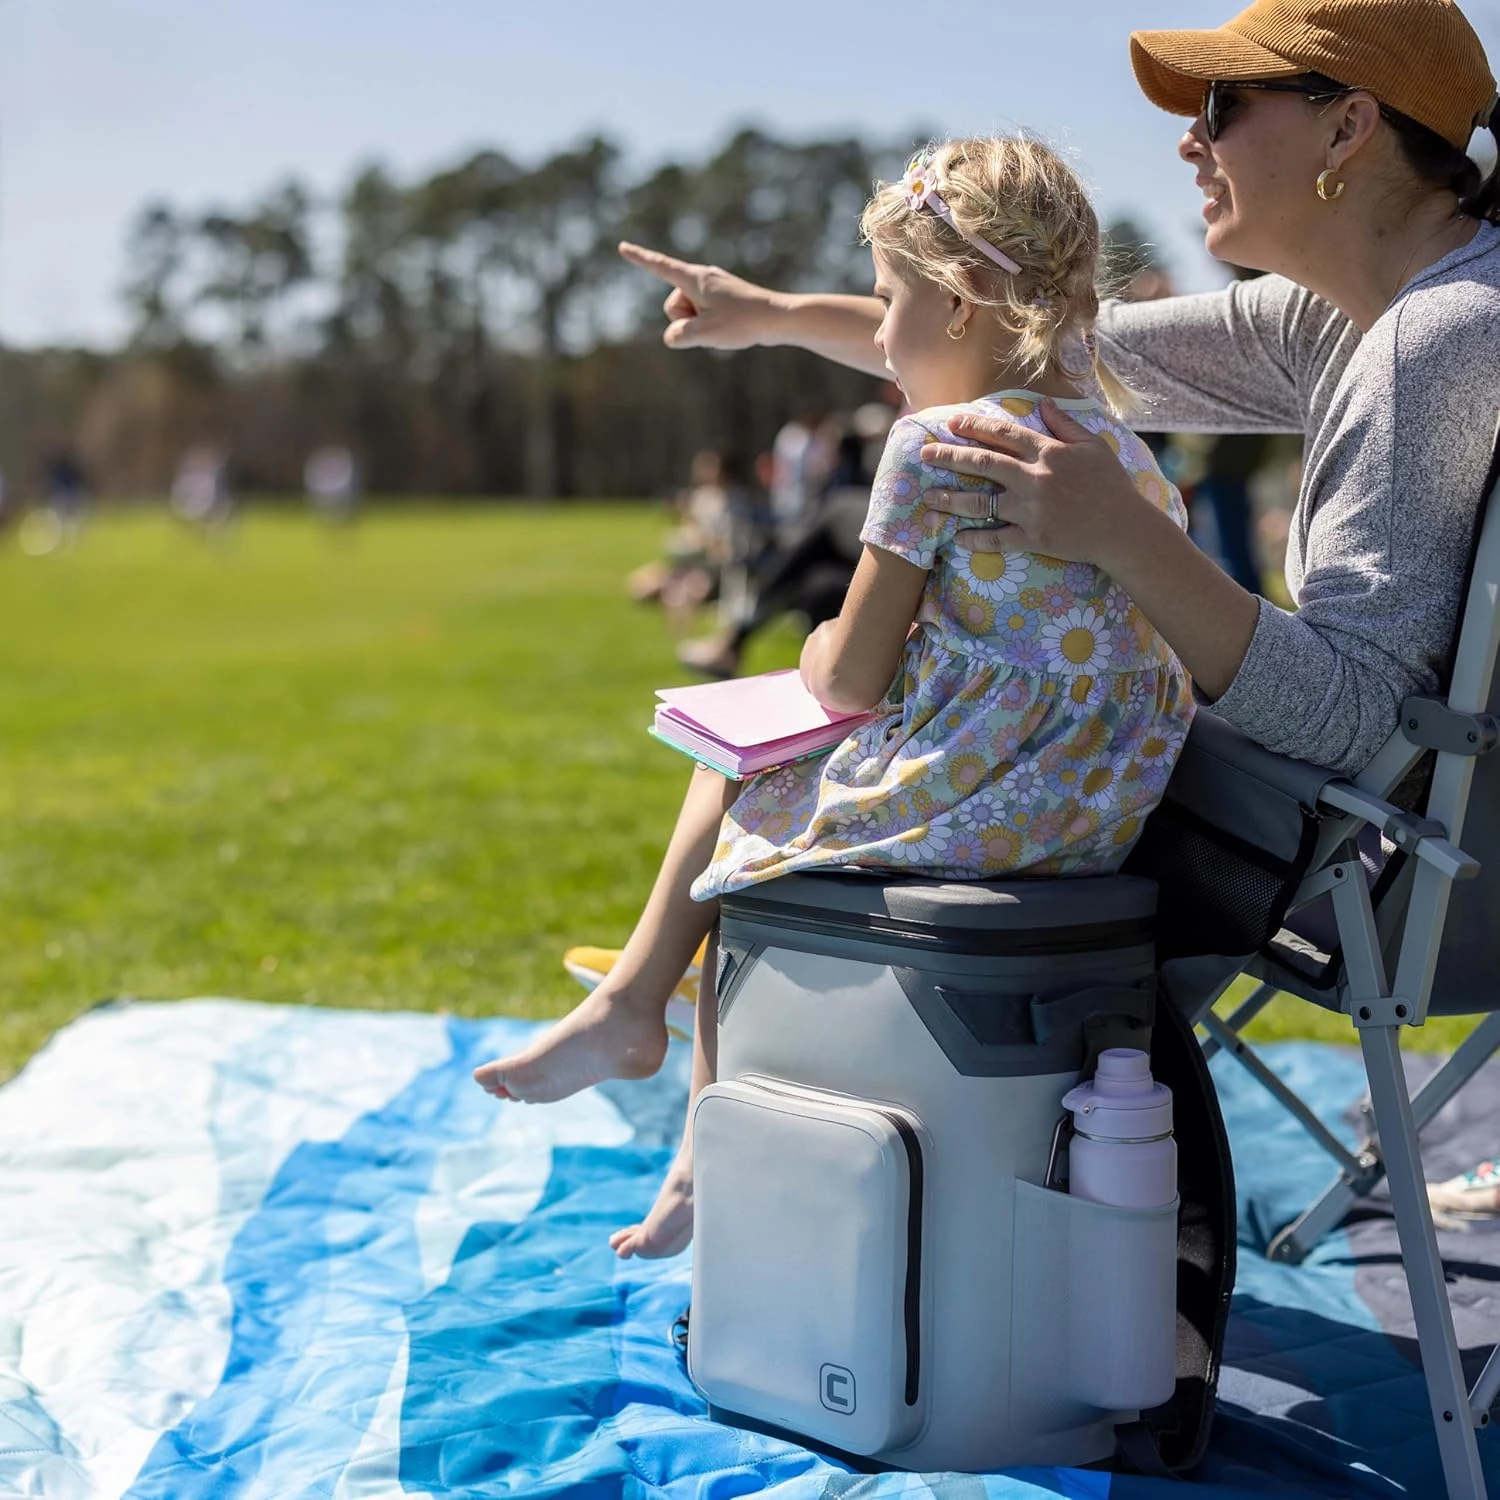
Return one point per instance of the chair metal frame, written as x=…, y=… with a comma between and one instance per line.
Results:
x=1403, y=931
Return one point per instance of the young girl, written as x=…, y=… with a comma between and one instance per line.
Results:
x=1027, y=714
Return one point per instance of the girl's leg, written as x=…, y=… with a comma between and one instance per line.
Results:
x=618, y=1031
x=669, y=1226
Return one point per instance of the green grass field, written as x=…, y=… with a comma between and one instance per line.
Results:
x=398, y=769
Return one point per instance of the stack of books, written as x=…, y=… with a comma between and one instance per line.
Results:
x=750, y=724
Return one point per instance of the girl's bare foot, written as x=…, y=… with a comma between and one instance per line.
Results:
x=605, y=1036
x=668, y=1228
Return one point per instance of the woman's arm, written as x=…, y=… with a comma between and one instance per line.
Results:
x=1400, y=467
x=708, y=308
x=1251, y=358
x=1196, y=607
x=848, y=663
x=1065, y=493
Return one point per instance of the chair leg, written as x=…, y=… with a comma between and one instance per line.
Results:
x=1223, y=1032
x=1446, y=1391
x=1486, y=1388
x=1241, y=1016
x=1294, y=1243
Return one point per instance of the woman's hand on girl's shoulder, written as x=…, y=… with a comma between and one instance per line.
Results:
x=1062, y=492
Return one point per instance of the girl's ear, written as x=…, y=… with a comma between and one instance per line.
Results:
x=959, y=314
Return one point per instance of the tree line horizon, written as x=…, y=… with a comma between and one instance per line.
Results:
x=468, y=331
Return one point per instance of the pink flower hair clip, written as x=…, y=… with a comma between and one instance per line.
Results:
x=920, y=186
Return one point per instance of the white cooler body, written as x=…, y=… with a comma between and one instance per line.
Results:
x=879, y=1267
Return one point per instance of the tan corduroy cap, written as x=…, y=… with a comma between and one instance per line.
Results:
x=1420, y=57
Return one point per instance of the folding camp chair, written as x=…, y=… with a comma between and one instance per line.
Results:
x=1246, y=839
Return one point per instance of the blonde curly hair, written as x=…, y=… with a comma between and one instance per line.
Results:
x=1022, y=198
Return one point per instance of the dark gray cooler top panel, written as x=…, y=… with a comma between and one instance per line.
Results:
x=975, y=906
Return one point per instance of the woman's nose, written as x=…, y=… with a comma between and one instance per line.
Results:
x=1194, y=143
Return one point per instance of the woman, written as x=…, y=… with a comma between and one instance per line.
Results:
x=1328, y=139
x=1335, y=160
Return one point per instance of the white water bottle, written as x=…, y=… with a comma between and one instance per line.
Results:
x=1122, y=1151
x=1123, y=1302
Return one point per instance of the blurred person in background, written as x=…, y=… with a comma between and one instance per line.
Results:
x=1218, y=468
x=201, y=496
x=67, y=493
x=800, y=460
x=58, y=520
x=1222, y=511
x=1218, y=473
x=722, y=522
x=684, y=543
x=331, y=479
x=807, y=571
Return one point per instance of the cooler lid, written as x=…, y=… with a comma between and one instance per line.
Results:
x=1057, y=905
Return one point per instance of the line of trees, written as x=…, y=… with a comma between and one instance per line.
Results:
x=467, y=331
x=471, y=330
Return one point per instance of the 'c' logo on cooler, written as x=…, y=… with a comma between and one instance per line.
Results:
x=836, y=1388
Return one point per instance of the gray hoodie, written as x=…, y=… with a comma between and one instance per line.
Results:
x=1399, y=425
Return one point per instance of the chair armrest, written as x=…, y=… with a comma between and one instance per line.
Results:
x=1426, y=838
x=1218, y=740
x=1224, y=780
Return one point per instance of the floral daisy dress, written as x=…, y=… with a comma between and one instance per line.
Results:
x=1031, y=725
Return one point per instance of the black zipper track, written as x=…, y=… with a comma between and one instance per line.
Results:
x=1097, y=937
x=912, y=1308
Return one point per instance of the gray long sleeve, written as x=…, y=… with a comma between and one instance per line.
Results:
x=1399, y=426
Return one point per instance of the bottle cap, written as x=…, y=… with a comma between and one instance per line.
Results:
x=1121, y=1102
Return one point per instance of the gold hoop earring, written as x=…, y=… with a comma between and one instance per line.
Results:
x=963, y=328
x=1323, y=192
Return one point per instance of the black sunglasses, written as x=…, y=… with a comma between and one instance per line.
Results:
x=1219, y=101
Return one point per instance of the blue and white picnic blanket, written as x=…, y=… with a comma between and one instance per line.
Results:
x=255, y=1251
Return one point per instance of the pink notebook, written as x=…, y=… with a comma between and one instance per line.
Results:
x=750, y=724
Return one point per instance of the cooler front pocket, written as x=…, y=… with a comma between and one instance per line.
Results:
x=807, y=1262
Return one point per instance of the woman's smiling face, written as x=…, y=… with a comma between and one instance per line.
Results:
x=1260, y=207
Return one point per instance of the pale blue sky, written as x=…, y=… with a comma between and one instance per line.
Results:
x=105, y=103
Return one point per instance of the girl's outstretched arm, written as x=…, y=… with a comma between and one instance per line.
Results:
x=848, y=663
x=709, y=308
